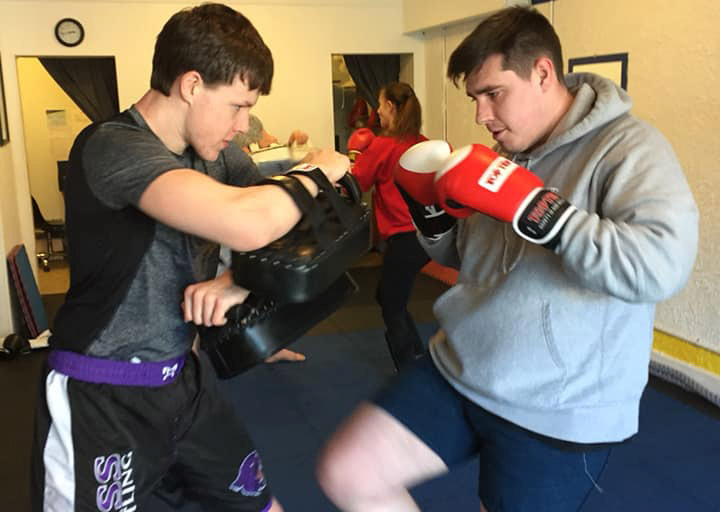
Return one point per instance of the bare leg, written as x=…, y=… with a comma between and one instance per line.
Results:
x=371, y=460
x=285, y=354
x=276, y=507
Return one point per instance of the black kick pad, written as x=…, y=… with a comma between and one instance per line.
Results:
x=333, y=233
x=259, y=327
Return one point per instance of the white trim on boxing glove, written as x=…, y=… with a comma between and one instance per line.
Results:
x=303, y=167
x=542, y=216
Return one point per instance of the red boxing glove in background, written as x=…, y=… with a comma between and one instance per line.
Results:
x=359, y=141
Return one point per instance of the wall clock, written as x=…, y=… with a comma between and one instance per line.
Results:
x=69, y=32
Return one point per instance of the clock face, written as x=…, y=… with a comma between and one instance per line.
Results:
x=69, y=32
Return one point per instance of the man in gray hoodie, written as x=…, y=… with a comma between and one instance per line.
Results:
x=545, y=342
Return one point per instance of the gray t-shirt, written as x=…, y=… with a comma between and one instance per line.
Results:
x=120, y=160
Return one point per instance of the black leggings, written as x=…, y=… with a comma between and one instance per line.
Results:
x=404, y=258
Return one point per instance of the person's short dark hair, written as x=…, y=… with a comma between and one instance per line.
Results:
x=519, y=34
x=409, y=112
x=217, y=42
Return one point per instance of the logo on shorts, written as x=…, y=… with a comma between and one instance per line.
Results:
x=250, y=480
x=168, y=372
x=116, y=489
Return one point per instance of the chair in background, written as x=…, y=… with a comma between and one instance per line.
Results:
x=50, y=230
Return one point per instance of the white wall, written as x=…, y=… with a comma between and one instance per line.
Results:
x=8, y=232
x=13, y=216
x=452, y=115
x=674, y=53
x=674, y=60
x=302, y=35
x=424, y=14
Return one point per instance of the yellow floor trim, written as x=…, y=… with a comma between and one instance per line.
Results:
x=687, y=352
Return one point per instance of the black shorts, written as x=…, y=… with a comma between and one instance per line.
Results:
x=108, y=447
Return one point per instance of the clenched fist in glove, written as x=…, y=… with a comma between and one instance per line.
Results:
x=478, y=178
x=415, y=179
x=417, y=167
x=359, y=141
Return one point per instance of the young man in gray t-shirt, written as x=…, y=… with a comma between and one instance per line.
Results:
x=125, y=402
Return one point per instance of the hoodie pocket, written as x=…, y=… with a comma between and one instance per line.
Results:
x=503, y=349
x=552, y=349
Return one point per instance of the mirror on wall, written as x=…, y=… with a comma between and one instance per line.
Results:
x=59, y=96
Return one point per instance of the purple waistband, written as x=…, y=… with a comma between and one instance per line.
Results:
x=120, y=373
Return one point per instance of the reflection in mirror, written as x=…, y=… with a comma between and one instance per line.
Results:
x=59, y=96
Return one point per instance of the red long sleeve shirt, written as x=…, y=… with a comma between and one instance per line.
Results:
x=374, y=168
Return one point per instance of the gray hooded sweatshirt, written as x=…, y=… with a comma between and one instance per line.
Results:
x=559, y=341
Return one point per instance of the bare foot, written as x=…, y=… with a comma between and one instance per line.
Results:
x=285, y=354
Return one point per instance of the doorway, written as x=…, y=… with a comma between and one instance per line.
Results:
x=51, y=121
x=348, y=99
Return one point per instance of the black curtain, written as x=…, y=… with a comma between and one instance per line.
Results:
x=90, y=82
x=371, y=72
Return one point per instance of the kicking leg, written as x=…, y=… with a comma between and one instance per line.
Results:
x=371, y=461
x=414, y=429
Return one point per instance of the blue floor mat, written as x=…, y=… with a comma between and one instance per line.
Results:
x=291, y=409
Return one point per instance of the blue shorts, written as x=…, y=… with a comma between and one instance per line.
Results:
x=519, y=470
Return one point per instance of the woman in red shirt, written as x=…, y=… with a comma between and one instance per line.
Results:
x=400, y=119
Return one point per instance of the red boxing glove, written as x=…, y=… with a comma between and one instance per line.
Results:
x=359, y=141
x=416, y=169
x=415, y=179
x=476, y=177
